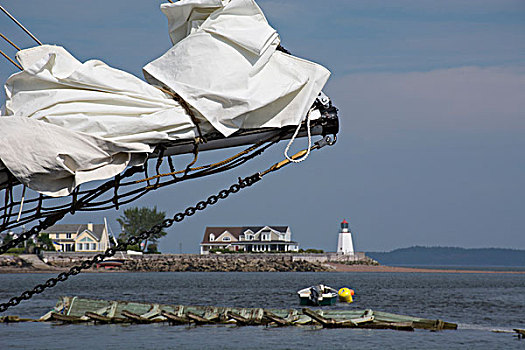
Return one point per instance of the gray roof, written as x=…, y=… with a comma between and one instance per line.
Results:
x=237, y=230
x=74, y=228
x=249, y=242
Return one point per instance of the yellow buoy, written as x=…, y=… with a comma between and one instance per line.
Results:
x=345, y=295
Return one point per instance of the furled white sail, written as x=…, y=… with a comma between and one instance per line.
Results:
x=93, y=98
x=224, y=63
x=54, y=160
x=66, y=122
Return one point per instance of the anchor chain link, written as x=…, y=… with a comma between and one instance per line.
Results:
x=178, y=217
x=86, y=264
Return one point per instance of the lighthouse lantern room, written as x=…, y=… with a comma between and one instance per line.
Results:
x=344, y=244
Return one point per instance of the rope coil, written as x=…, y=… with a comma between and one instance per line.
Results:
x=309, y=131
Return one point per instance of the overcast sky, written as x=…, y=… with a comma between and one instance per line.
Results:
x=432, y=107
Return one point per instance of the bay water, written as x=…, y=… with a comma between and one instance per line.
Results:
x=479, y=303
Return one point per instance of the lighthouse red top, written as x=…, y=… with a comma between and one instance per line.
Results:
x=344, y=221
x=344, y=225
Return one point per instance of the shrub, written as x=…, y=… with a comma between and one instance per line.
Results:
x=311, y=251
x=152, y=249
x=16, y=250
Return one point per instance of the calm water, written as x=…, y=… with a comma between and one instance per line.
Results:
x=477, y=302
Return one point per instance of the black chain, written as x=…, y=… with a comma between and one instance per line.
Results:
x=86, y=264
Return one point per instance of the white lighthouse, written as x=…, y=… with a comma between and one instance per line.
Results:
x=344, y=244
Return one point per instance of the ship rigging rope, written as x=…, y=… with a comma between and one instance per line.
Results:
x=11, y=60
x=9, y=41
x=208, y=166
x=144, y=235
x=86, y=200
x=20, y=25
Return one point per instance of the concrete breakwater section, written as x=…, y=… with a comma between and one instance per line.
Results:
x=188, y=262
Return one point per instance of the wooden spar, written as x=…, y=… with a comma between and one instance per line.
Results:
x=276, y=319
x=67, y=318
x=172, y=318
x=398, y=326
x=20, y=25
x=326, y=322
x=98, y=318
x=326, y=125
x=238, y=318
x=196, y=318
x=134, y=317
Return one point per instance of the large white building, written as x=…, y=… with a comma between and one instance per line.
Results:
x=249, y=239
x=345, y=243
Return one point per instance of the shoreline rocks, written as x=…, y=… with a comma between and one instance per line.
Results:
x=223, y=264
x=179, y=263
x=13, y=261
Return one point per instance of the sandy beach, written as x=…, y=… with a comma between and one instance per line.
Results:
x=336, y=268
x=382, y=268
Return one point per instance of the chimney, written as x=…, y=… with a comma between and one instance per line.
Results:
x=90, y=226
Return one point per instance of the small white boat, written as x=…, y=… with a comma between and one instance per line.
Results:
x=318, y=295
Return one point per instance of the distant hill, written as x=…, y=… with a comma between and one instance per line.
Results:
x=449, y=256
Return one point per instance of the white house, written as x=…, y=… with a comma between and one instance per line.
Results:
x=79, y=237
x=249, y=239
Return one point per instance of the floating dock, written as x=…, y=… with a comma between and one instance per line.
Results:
x=81, y=310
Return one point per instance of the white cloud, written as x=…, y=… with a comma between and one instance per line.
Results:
x=463, y=99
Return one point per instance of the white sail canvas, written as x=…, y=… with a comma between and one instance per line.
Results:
x=224, y=63
x=97, y=120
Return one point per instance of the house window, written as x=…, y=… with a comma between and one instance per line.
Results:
x=212, y=237
x=93, y=246
x=79, y=246
x=266, y=236
x=86, y=246
x=249, y=237
x=68, y=235
x=226, y=238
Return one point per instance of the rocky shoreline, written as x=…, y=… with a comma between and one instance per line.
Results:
x=13, y=262
x=262, y=264
x=212, y=263
x=178, y=263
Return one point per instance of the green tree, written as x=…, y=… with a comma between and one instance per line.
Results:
x=137, y=220
x=46, y=242
x=7, y=238
x=152, y=249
